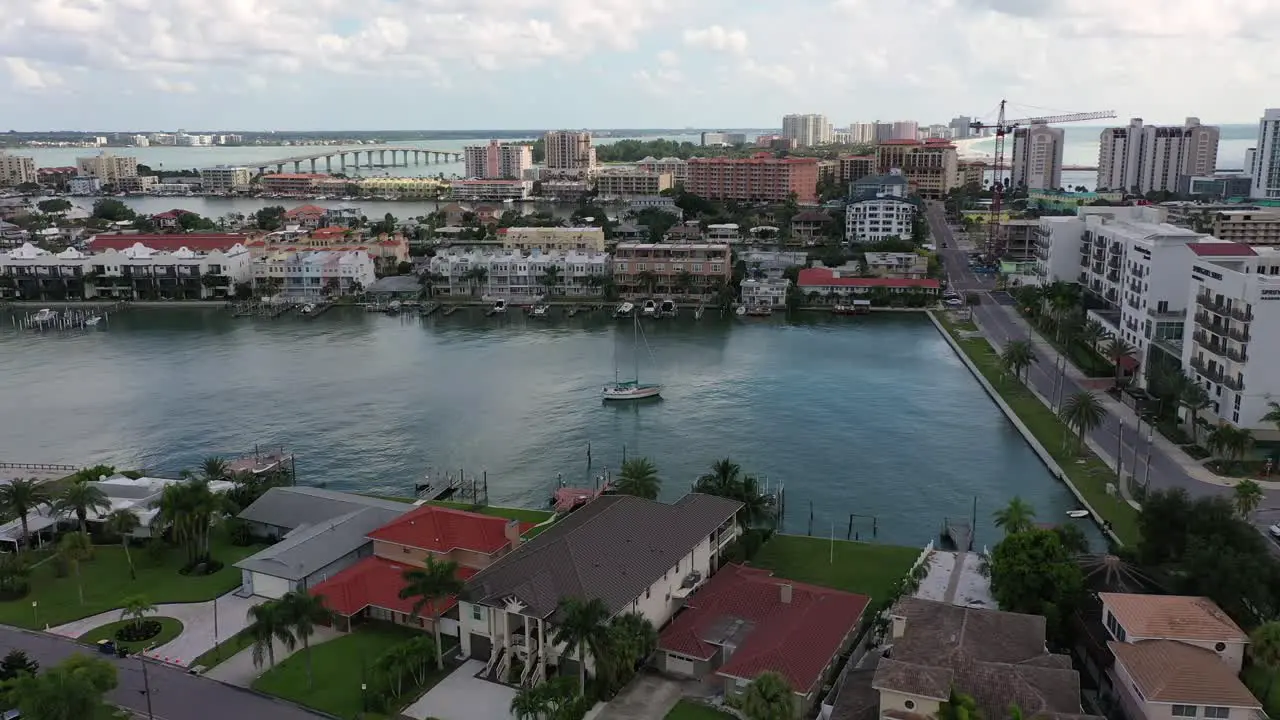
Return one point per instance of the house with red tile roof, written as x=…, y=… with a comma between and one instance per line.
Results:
x=308, y=217
x=744, y=622
x=846, y=281
x=197, y=242
x=170, y=220
x=371, y=587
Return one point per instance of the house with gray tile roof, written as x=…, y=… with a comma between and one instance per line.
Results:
x=632, y=554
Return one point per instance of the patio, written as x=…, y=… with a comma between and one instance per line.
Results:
x=462, y=696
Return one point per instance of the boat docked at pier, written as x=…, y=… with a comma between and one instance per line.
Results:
x=625, y=310
x=649, y=308
x=667, y=308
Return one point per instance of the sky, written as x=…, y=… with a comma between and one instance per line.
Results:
x=490, y=64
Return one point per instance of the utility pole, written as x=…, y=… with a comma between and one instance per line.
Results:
x=146, y=685
x=1146, y=479
x=1119, y=450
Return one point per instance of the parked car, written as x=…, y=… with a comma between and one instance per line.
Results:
x=1275, y=531
x=953, y=302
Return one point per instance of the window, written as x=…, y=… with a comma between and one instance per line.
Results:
x=1217, y=712
x=1117, y=631
x=477, y=613
x=1184, y=711
x=646, y=593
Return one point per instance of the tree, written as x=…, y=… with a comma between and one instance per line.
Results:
x=78, y=497
x=136, y=608
x=123, y=522
x=269, y=218
x=112, y=210
x=1031, y=572
x=1273, y=416
x=437, y=580
x=1015, y=517
x=1082, y=412
x=1072, y=538
x=21, y=497
x=188, y=510
x=1264, y=648
x=1017, y=358
x=550, y=278
x=1229, y=444
x=638, y=477
x=768, y=697
x=584, y=626
x=76, y=548
x=14, y=573
x=726, y=480
x=269, y=623
x=71, y=690
x=302, y=611
x=15, y=663
x=1092, y=333
x=1247, y=496
x=54, y=206
x=646, y=279
x=1194, y=398
x=1117, y=350
x=214, y=468
x=959, y=706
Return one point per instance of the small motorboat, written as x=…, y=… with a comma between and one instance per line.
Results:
x=394, y=307
x=1078, y=513
x=741, y=311
x=624, y=310
x=668, y=308
x=45, y=315
x=92, y=320
x=308, y=309
x=649, y=308
x=539, y=311
x=500, y=306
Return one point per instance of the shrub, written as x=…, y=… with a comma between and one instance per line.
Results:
x=238, y=531
x=136, y=632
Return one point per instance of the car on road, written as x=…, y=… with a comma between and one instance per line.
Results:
x=953, y=302
x=1275, y=531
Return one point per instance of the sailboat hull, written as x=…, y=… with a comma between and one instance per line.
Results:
x=630, y=391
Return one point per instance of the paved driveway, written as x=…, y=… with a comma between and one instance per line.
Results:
x=648, y=697
x=463, y=696
x=197, y=621
x=240, y=671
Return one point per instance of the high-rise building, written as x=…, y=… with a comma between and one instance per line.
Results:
x=905, y=130
x=107, y=167
x=569, y=154
x=1250, y=157
x=884, y=132
x=863, y=133
x=807, y=130
x=1266, y=161
x=932, y=168
x=960, y=127
x=223, y=178
x=1037, y=157
x=497, y=161
x=762, y=177
x=1143, y=159
x=712, y=139
x=15, y=170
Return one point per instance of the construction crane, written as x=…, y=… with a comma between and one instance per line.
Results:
x=994, y=247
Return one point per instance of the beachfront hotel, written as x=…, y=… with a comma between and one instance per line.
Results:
x=757, y=178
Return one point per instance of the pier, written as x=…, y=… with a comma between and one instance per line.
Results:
x=35, y=471
x=67, y=319
x=429, y=309
x=318, y=310
x=472, y=490
x=451, y=310
x=262, y=309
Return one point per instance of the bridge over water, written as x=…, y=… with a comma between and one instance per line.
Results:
x=400, y=155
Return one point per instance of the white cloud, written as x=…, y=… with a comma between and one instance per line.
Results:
x=27, y=77
x=172, y=86
x=668, y=58
x=717, y=38
x=662, y=83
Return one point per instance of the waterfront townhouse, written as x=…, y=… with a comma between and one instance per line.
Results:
x=632, y=554
x=387, y=251
x=490, y=190
x=655, y=202
x=520, y=276
x=930, y=166
x=629, y=183
x=897, y=265
x=764, y=292
x=772, y=263
x=675, y=167
x=313, y=275
x=761, y=177
x=692, y=270
x=589, y=239
x=418, y=187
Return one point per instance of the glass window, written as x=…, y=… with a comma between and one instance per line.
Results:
x=1184, y=711
x=477, y=613
x=1216, y=712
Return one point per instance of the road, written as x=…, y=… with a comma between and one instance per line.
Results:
x=175, y=694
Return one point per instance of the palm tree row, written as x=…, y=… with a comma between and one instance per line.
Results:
x=290, y=620
x=726, y=480
x=1056, y=309
x=1229, y=444
x=617, y=645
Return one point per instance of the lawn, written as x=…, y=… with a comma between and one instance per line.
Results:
x=224, y=650
x=1088, y=473
x=864, y=568
x=338, y=667
x=689, y=710
x=521, y=514
x=170, y=628
x=106, y=582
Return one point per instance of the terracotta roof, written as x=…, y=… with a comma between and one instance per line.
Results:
x=900, y=141
x=824, y=277
x=306, y=210
x=376, y=581
x=796, y=639
x=1169, y=671
x=441, y=529
x=1221, y=249
x=199, y=242
x=172, y=214
x=294, y=176
x=758, y=158
x=1175, y=617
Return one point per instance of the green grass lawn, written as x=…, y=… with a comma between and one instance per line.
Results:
x=858, y=567
x=224, y=650
x=1088, y=473
x=170, y=628
x=338, y=671
x=689, y=710
x=521, y=514
x=106, y=582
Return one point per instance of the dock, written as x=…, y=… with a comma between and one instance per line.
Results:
x=67, y=319
x=319, y=310
x=436, y=486
x=430, y=308
x=958, y=533
x=35, y=471
x=451, y=310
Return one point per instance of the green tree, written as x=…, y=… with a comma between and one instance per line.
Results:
x=79, y=498
x=1017, y=358
x=1273, y=415
x=632, y=639
x=550, y=279
x=435, y=581
x=136, y=608
x=1082, y=412
x=768, y=697
x=959, y=706
x=76, y=548
x=584, y=626
x=214, y=468
x=1031, y=572
x=646, y=279
x=14, y=574
x=54, y=206
x=1194, y=398
x=1247, y=496
x=74, y=689
x=1264, y=648
x=726, y=480
x=268, y=624
x=15, y=663
x=123, y=522
x=20, y=498
x=112, y=210
x=1072, y=538
x=188, y=509
x=269, y=218
x=638, y=477
x=302, y=612
x=1016, y=517
x=1117, y=350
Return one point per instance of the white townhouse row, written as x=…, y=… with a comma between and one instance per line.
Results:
x=314, y=275
x=514, y=274
x=133, y=273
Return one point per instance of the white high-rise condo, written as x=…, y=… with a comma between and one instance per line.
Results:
x=1145, y=158
x=807, y=130
x=1266, y=158
x=569, y=154
x=1037, y=157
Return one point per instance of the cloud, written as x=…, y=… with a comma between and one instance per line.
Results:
x=717, y=38
x=27, y=77
x=668, y=58
x=172, y=86
x=662, y=83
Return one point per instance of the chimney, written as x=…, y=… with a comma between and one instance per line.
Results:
x=786, y=593
x=512, y=531
x=899, y=624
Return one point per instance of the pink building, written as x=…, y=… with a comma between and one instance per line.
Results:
x=689, y=270
x=761, y=177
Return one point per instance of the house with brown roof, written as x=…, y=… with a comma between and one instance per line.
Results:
x=632, y=554
x=309, y=217
x=807, y=227
x=1175, y=656
x=744, y=622
x=997, y=658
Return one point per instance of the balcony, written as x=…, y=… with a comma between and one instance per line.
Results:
x=1208, y=302
x=1041, y=270
x=1083, y=278
x=1239, y=356
x=1240, y=335
x=1097, y=268
x=1113, y=275
x=1084, y=260
x=1132, y=303
x=1212, y=344
x=1213, y=373
x=1114, y=262
x=1234, y=383
x=1116, y=248
x=1241, y=314
x=1135, y=287
x=1041, y=253
x=1155, y=313
x=1111, y=295
x=1099, y=255
x=1084, y=248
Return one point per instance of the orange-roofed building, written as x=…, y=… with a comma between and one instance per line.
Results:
x=292, y=183
x=308, y=217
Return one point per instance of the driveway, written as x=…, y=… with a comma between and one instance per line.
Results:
x=197, y=621
x=648, y=697
x=240, y=671
x=463, y=696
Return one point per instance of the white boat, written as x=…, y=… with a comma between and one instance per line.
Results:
x=668, y=308
x=499, y=306
x=45, y=315
x=624, y=310
x=308, y=309
x=631, y=389
x=1078, y=513
x=742, y=310
x=92, y=320
x=539, y=311
x=394, y=307
x=649, y=308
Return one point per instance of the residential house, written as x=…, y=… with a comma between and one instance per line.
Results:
x=315, y=275
x=170, y=220
x=630, y=232
x=838, y=282
x=765, y=292
x=724, y=233
x=744, y=622
x=514, y=275
x=11, y=235
x=704, y=265
x=770, y=263
x=808, y=228
x=632, y=554
x=897, y=265
x=308, y=217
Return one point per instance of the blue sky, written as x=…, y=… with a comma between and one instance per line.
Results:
x=460, y=64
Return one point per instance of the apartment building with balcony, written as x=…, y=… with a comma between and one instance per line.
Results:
x=224, y=178
x=516, y=275
x=497, y=160
x=671, y=269
x=758, y=178
x=493, y=190
x=107, y=167
x=675, y=167
x=1233, y=331
x=569, y=154
x=292, y=183
x=546, y=239
x=624, y=183
x=313, y=275
x=931, y=167
x=1252, y=227
x=16, y=169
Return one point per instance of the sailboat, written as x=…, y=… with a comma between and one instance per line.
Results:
x=631, y=389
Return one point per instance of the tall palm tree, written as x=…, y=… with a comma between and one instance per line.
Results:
x=437, y=580
x=1194, y=398
x=1117, y=350
x=638, y=477
x=123, y=522
x=722, y=479
x=1092, y=333
x=189, y=509
x=1264, y=648
x=768, y=697
x=1247, y=496
x=78, y=497
x=214, y=468
x=725, y=480
x=530, y=704
x=1082, y=412
x=1273, y=416
x=550, y=278
x=1015, y=517
x=21, y=497
x=1017, y=358
x=584, y=626
x=302, y=612
x=267, y=624
x=647, y=280
x=75, y=547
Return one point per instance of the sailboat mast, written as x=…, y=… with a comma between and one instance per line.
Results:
x=635, y=345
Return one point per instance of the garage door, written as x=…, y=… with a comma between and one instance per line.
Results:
x=677, y=665
x=269, y=586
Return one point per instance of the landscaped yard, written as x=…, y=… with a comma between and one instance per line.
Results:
x=170, y=628
x=688, y=710
x=339, y=667
x=1088, y=473
x=224, y=650
x=864, y=568
x=106, y=582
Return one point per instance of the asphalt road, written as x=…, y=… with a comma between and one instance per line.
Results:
x=175, y=694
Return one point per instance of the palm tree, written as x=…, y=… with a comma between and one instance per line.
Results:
x=768, y=697
x=136, y=607
x=20, y=497
x=1194, y=398
x=530, y=704
x=1247, y=496
x=1015, y=517
x=1264, y=648
x=437, y=580
x=638, y=477
x=1117, y=350
x=1274, y=415
x=477, y=277
x=684, y=281
x=647, y=280
x=123, y=522
x=584, y=626
x=78, y=497
x=75, y=547
x=267, y=624
x=188, y=509
x=725, y=480
x=1092, y=333
x=214, y=468
x=1217, y=441
x=1229, y=444
x=1017, y=358
x=721, y=480
x=302, y=611
x=1082, y=412
x=550, y=278
x=633, y=639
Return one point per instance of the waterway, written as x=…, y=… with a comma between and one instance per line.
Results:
x=871, y=416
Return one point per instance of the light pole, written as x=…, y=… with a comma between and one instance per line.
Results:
x=35, y=611
x=217, y=651
x=1119, y=450
x=1146, y=475
x=146, y=684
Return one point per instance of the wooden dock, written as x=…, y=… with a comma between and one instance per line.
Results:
x=958, y=533
x=574, y=310
x=430, y=308
x=319, y=310
x=451, y=310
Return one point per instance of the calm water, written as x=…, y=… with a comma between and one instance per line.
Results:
x=873, y=416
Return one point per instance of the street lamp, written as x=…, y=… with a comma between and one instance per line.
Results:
x=35, y=610
x=364, y=699
x=146, y=681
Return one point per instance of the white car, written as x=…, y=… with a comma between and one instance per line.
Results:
x=953, y=302
x=1275, y=531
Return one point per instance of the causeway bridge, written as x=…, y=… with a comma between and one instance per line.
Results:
x=400, y=155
